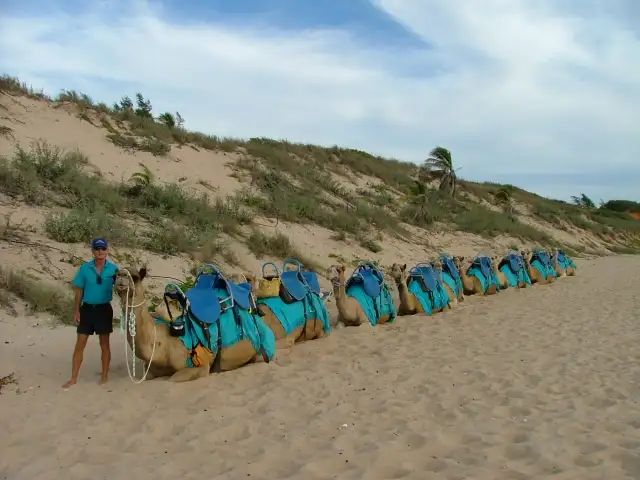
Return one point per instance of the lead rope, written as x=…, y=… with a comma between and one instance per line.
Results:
x=128, y=326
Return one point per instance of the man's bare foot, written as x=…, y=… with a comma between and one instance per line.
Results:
x=70, y=383
x=103, y=380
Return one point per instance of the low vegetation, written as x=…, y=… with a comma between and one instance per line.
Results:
x=40, y=297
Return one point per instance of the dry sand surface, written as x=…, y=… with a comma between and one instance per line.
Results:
x=535, y=383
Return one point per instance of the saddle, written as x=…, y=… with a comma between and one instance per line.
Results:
x=449, y=266
x=514, y=261
x=203, y=301
x=427, y=275
x=561, y=257
x=542, y=256
x=294, y=284
x=484, y=264
x=369, y=276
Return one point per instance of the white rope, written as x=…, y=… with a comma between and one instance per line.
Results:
x=128, y=326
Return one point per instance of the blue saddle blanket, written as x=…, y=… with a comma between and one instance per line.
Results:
x=482, y=269
x=564, y=261
x=233, y=325
x=294, y=315
x=374, y=307
x=515, y=270
x=430, y=300
x=450, y=274
x=456, y=287
x=541, y=261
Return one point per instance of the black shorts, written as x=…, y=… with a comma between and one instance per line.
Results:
x=95, y=319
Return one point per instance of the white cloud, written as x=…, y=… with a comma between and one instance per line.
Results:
x=516, y=89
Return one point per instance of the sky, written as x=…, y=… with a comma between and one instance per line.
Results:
x=543, y=94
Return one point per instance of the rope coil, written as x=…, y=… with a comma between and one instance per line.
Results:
x=128, y=327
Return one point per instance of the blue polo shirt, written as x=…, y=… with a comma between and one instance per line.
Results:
x=95, y=293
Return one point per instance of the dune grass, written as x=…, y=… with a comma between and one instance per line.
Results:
x=39, y=296
x=162, y=218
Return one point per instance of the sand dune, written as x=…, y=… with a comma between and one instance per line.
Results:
x=495, y=389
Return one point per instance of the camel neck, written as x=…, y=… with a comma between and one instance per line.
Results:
x=403, y=294
x=340, y=292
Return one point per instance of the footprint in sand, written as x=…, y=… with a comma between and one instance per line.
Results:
x=586, y=461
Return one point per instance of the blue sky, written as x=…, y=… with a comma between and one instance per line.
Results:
x=542, y=94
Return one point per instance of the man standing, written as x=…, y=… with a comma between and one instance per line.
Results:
x=93, y=285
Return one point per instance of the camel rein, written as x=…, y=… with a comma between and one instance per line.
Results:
x=128, y=326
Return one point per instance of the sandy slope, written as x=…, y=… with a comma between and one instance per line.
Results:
x=497, y=389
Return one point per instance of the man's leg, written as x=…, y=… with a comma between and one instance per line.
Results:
x=76, y=361
x=105, y=356
x=104, y=328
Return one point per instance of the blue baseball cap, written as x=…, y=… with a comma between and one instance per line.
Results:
x=99, y=243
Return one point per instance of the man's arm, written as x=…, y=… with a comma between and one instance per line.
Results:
x=78, y=284
x=78, y=299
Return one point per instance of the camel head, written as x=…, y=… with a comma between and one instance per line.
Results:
x=458, y=262
x=399, y=273
x=335, y=274
x=128, y=279
x=435, y=263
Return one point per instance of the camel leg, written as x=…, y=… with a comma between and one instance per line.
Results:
x=313, y=330
x=188, y=374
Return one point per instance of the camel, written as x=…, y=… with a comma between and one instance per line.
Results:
x=447, y=265
x=314, y=328
x=535, y=274
x=570, y=269
x=350, y=311
x=171, y=357
x=409, y=303
x=506, y=275
x=502, y=278
x=472, y=284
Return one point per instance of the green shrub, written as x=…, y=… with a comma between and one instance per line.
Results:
x=78, y=226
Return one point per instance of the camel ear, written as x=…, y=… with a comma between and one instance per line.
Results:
x=404, y=267
x=142, y=273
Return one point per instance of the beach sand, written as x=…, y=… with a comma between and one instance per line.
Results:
x=535, y=383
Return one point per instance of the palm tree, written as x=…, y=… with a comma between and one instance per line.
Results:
x=141, y=180
x=419, y=197
x=440, y=165
x=168, y=119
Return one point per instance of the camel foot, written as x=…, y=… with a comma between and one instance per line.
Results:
x=286, y=343
x=150, y=375
x=188, y=374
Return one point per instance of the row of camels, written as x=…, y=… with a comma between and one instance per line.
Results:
x=260, y=323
